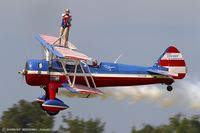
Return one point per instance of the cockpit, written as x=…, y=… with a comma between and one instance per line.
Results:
x=95, y=64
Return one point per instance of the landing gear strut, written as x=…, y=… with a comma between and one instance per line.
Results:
x=169, y=88
x=49, y=102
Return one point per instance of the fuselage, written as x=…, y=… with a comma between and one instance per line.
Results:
x=42, y=72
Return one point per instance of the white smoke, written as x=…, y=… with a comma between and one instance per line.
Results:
x=146, y=93
x=191, y=94
x=186, y=94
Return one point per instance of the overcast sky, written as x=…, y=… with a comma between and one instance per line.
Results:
x=139, y=29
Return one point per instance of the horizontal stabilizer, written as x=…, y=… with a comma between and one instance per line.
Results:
x=159, y=72
x=163, y=73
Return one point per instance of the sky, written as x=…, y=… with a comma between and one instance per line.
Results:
x=139, y=29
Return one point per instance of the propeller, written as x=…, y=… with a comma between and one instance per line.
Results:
x=23, y=72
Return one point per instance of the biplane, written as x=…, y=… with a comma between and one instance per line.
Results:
x=69, y=69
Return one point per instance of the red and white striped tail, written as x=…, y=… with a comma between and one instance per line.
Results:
x=174, y=61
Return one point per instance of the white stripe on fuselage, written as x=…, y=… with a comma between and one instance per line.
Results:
x=99, y=74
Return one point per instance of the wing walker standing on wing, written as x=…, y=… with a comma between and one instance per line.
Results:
x=65, y=27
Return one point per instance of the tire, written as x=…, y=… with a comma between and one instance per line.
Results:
x=52, y=113
x=169, y=88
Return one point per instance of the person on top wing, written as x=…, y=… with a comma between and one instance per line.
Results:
x=65, y=26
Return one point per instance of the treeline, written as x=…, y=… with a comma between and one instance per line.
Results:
x=28, y=117
x=177, y=124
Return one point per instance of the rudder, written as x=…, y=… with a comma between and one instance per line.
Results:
x=174, y=61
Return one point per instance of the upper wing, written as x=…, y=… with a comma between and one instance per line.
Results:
x=61, y=52
x=54, y=41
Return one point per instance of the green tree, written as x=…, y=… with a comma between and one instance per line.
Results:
x=148, y=129
x=177, y=124
x=78, y=125
x=195, y=124
x=133, y=130
x=26, y=115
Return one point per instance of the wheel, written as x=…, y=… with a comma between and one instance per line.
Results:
x=52, y=113
x=169, y=88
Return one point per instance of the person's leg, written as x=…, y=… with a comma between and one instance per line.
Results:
x=61, y=33
x=66, y=36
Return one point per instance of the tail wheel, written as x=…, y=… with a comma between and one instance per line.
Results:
x=52, y=113
x=169, y=88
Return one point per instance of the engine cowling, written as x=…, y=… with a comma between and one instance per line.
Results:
x=37, y=72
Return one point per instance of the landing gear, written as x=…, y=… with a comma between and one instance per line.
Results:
x=49, y=103
x=52, y=113
x=169, y=88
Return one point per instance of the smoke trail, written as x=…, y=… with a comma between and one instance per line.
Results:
x=191, y=93
x=186, y=94
x=136, y=94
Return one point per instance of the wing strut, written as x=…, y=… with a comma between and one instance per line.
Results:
x=75, y=71
x=91, y=76
x=86, y=79
x=66, y=74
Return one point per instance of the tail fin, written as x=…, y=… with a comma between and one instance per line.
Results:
x=174, y=61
